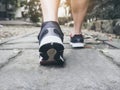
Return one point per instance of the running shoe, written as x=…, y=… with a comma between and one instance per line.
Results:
x=77, y=41
x=51, y=44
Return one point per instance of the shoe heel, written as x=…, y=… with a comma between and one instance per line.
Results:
x=52, y=54
x=51, y=40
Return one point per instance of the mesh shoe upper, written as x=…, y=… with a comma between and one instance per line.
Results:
x=50, y=28
x=77, y=39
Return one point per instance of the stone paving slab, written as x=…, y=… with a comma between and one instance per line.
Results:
x=36, y=46
x=24, y=46
x=24, y=40
x=15, y=22
x=83, y=71
x=103, y=38
x=19, y=46
x=113, y=43
x=33, y=39
x=16, y=37
x=113, y=54
x=7, y=55
x=31, y=42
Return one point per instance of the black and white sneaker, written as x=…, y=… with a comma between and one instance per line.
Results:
x=51, y=44
x=77, y=41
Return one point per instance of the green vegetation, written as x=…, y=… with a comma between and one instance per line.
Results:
x=106, y=9
x=34, y=10
x=103, y=9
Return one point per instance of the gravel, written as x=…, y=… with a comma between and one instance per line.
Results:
x=10, y=31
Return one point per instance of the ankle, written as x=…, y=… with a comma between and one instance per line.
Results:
x=50, y=24
x=75, y=33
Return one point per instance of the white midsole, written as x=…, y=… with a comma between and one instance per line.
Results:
x=77, y=44
x=50, y=39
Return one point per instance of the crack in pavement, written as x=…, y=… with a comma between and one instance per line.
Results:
x=16, y=37
x=110, y=58
x=11, y=58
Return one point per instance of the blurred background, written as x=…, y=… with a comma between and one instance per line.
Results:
x=103, y=15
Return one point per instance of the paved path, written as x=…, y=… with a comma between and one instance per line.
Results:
x=95, y=67
x=14, y=22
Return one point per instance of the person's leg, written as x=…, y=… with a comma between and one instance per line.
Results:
x=79, y=9
x=50, y=36
x=50, y=10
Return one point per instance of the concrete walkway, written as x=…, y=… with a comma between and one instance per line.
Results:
x=95, y=67
x=14, y=22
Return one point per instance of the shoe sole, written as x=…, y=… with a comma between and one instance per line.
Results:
x=52, y=52
x=77, y=45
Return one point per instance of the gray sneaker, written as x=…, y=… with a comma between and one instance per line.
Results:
x=77, y=41
x=51, y=44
